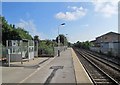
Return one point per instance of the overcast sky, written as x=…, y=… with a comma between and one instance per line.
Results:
x=84, y=20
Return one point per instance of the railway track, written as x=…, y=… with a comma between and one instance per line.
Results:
x=105, y=61
x=99, y=72
x=107, y=58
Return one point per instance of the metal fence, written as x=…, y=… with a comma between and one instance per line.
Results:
x=18, y=53
x=106, y=48
x=61, y=48
x=51, y=51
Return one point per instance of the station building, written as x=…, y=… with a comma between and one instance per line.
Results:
x=107, y=43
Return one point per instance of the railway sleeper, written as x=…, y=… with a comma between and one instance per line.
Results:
x=104, y=83
x=102, y=80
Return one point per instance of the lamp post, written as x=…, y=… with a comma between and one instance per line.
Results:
x=59, y=38
x=66, y=41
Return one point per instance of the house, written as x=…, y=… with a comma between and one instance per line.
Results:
x=107, y=43
x=109, y=37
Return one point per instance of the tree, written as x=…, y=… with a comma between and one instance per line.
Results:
x=46, y=47
x=63, y=39
x=84, y=45
x=23, y=34
x=69, y=44
x=10, y=32
x=36, y=37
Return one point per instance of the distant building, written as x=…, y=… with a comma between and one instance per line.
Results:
x=109, y=42
x=109, y=37
x=93, y=43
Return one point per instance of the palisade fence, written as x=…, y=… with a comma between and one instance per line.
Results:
x=18, y=53
x=46, y=52
x=0, y=51
x=61, y=48
x=51, y=51
x=4, y=52
x=105, y=49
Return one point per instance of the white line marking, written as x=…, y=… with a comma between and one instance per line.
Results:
x=82, y=67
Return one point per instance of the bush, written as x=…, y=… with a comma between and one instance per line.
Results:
x=46, y=47
x=109, y=53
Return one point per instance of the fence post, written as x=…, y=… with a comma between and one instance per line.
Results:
x=9, y=57
x=21, y=55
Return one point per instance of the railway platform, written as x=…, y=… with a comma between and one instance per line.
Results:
x=80, y=73
x=63, y=69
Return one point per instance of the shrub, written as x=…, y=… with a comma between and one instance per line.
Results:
x=109, y=53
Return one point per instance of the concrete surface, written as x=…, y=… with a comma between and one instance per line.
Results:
x=81, y=74
x=64, y=69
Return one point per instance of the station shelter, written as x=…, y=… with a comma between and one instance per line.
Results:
x=20, y=50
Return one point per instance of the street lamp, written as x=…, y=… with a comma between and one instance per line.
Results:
x=59, y=38
x=67, y=41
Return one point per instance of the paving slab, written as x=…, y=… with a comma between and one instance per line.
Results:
x=81, y=75
x=59, y=70
x=65, y=69
x=18, y=72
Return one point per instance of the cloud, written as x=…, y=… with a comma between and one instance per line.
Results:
x=85, y=25
x=29, y=26
x=76, y=13
x=107, y=8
